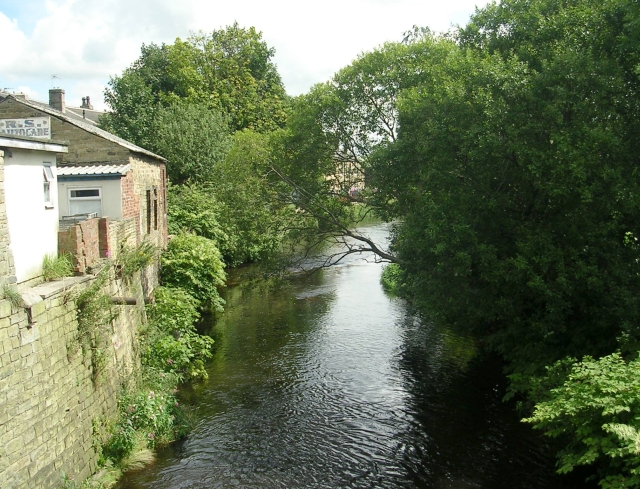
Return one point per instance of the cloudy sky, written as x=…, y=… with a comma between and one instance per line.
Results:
x=84, y=42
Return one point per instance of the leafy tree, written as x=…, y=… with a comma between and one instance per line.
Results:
x=241, y=209
x=516, y=185
x=194, y=140
x=229, y=71
x=332, y=131
x=133, y=109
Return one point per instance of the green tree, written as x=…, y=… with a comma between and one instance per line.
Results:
x=332, y=131
x=193, y=139
x=229, y=71
x=193, y=263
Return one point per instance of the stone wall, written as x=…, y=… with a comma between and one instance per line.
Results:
x=50, y=396
x=49, y=393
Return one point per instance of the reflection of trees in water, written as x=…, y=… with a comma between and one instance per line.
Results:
x=460, y=434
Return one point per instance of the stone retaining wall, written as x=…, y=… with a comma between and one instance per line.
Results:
x=49, y=395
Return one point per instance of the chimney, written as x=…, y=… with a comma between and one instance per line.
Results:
x=86, y=103
x=56, y=99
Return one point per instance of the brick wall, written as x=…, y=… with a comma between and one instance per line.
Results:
x=87, y=242
x=149, y=190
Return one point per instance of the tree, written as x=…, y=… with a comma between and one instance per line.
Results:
x=229, y=71
x=515, y=178
x=332, y=132
x=194, y=140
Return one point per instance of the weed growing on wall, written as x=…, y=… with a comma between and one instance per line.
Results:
x=13, y=296
x=54, y=267
x=132, y=260
x=150, y=415
x=94, y=310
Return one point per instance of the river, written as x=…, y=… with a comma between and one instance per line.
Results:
x=330, y=383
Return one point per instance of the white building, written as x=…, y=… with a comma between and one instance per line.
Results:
x=31, y=200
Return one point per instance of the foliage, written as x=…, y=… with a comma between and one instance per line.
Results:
x=193, y=138
x=516, y=184
x=95, y=310
x=149, y=416
x=194, y=264
x=171, y=343
x=13, y=296
x=325, y=151
x=229, y=71
x=241, y=209
x=391, y=278
x=132, y=260
x=54, y=267
x=597, y=410
x=195, y=209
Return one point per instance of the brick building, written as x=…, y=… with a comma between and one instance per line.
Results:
x=100, y=173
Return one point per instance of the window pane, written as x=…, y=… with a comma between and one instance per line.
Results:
x=48, y=174
x=47, y=192
x=85, y=206
x=89, y=192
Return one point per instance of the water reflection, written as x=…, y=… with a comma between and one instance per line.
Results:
x=329, y=383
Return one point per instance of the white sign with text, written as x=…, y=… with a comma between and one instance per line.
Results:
x=35, y=127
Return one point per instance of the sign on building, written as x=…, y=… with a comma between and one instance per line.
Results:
x=35, y=127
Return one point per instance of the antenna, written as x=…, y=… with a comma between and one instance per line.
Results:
x=54, y=77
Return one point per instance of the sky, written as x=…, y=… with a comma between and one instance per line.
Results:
x=78, y=45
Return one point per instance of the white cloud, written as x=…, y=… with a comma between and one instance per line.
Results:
x=84, y=42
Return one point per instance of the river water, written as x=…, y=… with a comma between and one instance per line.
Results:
x=330, y=383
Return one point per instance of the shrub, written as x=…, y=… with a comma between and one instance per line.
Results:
x=172, y=343
x=391, y=278
x=194, y=264
x=597, y=410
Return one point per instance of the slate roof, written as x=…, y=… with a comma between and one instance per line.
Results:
x=87, y=126
x=88, y=115
x=93, y=170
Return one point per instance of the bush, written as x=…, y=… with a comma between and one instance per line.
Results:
x=194, y=264
x=391, y=278
x=597, y=410
x=148, y=417
x=172, y=343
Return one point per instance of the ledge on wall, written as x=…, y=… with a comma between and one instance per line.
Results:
x=54, y=287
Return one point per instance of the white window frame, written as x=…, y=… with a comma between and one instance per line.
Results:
x=76, y=199
x=49, y=179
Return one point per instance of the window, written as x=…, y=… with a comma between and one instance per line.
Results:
x=148, y=211
x=48, y=179
x=155, y=208
x=152, y=209
x=85, y=201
